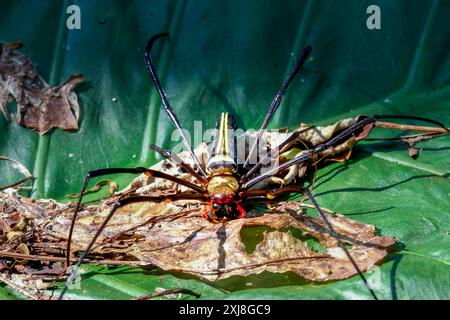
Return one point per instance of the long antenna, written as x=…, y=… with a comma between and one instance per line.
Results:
x=277, y=100
x=165, y=101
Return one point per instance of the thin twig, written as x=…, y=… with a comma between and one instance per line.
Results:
x=15, y=184
x=152, y=220
x=390, y=125
x=313, y=207
x=96, y=188
x=167, y=292
x=7, y=254
x=414, y=137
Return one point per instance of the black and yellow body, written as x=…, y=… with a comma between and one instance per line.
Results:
x=223, y=184
x=223, y=158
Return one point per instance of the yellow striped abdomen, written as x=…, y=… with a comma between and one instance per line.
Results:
x=223, y=185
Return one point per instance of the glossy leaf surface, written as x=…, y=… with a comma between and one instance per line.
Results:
x=232, y=56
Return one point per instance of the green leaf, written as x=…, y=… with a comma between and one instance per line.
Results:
x=233, y=56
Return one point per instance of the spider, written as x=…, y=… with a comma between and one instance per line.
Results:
x=223, y=185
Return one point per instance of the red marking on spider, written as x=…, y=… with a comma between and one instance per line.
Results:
x=242, y=214
x=223, y=199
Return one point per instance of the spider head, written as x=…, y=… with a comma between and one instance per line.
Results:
x=222, y=208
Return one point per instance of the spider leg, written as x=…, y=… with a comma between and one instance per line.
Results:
x=270, y=194
x=115, y=207
x=271, y=154
x=264, y=194
x=177, y=160
x=167, y=107
x=138, y=170
x=339, y=138
x=340, y=243
x=440, y=129
x=277, y=100
x=261, y=192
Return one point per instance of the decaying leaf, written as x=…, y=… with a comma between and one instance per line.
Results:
x=112, y=188
x=39, y=106
x=174, y=236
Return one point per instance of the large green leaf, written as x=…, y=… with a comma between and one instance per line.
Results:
x=232, y=56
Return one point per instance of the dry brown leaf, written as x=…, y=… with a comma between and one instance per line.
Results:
x=175, y=237
x=39, y=106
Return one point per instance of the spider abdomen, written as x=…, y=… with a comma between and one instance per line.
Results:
x=225, y=185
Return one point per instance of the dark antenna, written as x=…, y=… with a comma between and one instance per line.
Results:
x=340, y=243
x=277, y=100
x=165, y=101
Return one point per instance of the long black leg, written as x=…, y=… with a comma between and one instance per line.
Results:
x=116, y=206
x=277, y=100
x=306, y=156
x=339, y=138
x=177, y=160
x=297, y=189
x=340, y=243
x=139, y=170
x=270, y=194
x=165, y=101
x=272, y=154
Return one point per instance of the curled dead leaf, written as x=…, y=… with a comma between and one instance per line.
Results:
x=22, y=248
x=112, y=188
x=39, y=106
